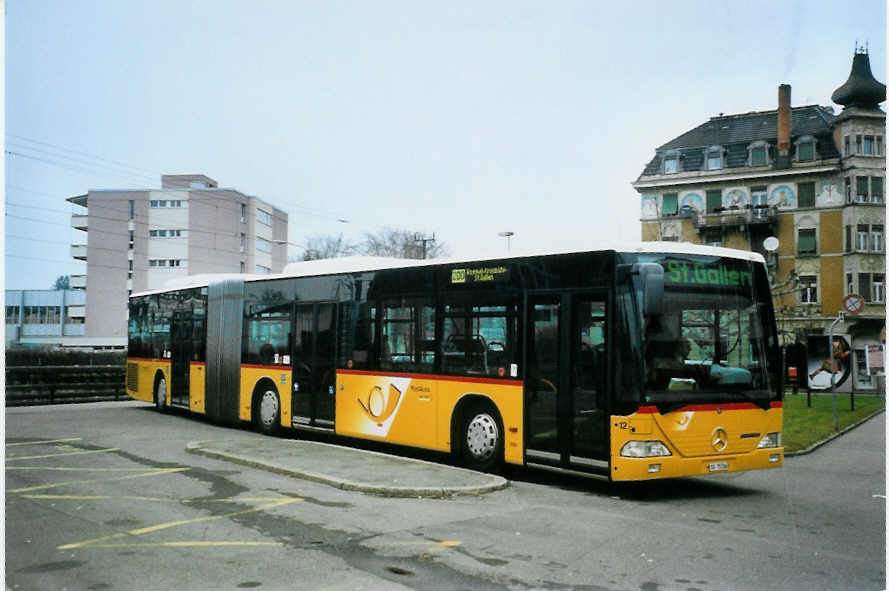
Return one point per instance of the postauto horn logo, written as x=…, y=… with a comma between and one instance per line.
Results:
x=378, y=405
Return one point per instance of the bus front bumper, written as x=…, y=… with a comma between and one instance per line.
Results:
x=676, y=466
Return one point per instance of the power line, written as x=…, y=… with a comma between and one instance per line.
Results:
x=128, y=174
x=195, y=228
x=97, y=157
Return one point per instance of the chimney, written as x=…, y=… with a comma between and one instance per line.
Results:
x=783, y=159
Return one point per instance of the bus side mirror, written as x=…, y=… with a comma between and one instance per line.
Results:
x=651, y=278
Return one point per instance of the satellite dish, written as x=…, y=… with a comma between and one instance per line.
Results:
x=770, y=244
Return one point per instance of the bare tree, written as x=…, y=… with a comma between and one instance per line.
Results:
x=327, y=247
x=392, y=242
x=388, y=242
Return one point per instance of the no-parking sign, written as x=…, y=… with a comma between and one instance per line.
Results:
x=853, y=303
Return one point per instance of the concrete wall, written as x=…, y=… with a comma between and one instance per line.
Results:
x=214, y=222
x=107, y=262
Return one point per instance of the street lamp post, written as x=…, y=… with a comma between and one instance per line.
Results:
x=508, y=236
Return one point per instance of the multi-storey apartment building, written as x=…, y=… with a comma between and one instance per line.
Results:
x=138, y=240
x=811, y=178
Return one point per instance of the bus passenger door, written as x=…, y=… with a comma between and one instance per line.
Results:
x=314, y=345
x=589, y=379
x=325, y=358
x=565, y=393
x=180, y=355
x=543, y=379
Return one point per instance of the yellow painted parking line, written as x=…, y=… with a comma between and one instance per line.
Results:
x=76, y=469
x=443, y=544
x=43, y=442
x=153, y=528
x=170, y=524
x=186, y=544
x=158, y=472
x=149, y=499
x=67, y=453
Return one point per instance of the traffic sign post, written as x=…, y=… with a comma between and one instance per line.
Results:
x=853, y=304
x=833, y=383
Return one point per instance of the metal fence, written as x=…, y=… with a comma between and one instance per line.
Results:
x=60, y=384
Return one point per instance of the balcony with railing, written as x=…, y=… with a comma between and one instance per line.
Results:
x=80, y=221
x=78, y=282
x=76, y=311
x=78, y=251
x=736, y=217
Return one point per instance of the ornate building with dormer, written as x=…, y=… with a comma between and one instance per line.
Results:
x=805, y=175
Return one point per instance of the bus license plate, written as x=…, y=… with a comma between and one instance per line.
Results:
x=717, y=466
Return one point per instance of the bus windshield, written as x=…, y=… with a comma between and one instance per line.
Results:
x=709, y=345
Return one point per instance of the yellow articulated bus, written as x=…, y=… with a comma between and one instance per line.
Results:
x=657, y=360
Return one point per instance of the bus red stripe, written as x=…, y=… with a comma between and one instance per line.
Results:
x=272, y=367
x=421, y=376
x=643, y=410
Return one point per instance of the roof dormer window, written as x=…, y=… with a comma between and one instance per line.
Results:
x=715, y=157
x=758, y=154
x=671, y=162
x=805, y=149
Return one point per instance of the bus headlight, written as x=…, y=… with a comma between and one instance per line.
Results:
x=644, y=449
x=770, y=440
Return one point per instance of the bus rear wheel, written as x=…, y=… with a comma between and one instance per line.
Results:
x=482, y=439
x=160, y=393
x=267, y=410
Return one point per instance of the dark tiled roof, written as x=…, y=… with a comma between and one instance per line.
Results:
x=736, y=132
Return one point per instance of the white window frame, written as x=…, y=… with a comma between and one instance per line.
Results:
x=674, y=157
x=862, y=197
x=714, y=150
x=758, y=145
x=862, y=237
x=263, y=217
x=806, y=290
x=874, y=198
x=876, y=238
x=878, y=288
x=868, y=150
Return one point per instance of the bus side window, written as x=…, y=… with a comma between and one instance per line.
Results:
x=408, y=334
x=267, y=331
x=357, y=332
x=480, y=340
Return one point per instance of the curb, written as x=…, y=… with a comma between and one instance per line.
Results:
x=498, y=482
x=833, y=436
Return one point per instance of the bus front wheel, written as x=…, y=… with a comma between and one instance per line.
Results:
x=267, y=409
x=160, y=393
x=482, y=439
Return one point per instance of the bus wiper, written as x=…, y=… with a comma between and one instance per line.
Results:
x=762, y=402
x=668, y=407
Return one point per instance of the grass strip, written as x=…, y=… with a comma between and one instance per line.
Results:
x=805, y=426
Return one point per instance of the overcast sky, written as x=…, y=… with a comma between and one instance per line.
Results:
x=460, y=118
